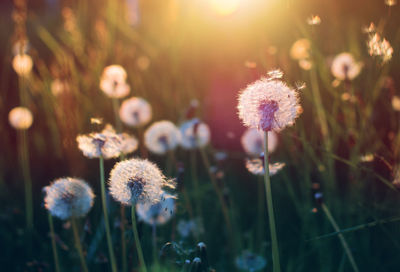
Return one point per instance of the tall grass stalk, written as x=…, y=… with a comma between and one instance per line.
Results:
x=271, y=216
x=137, y=240
x=53, y=243
x=78, y=244
x=341, y=237
x=105, y=213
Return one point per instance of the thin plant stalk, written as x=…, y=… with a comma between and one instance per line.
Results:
x=271, y=216
x=154, y=240
x=225, y=209
x=137, y=239
x=105, y=213
x=195, y=180
x=24, y=162
x=341, y=237
x=123, y=240
x=53, y=243
x=78, y=244
x=261, y=211
x=118, y=123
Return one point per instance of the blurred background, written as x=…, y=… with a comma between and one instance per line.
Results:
x=178, y=51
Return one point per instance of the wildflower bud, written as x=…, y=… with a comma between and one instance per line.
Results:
x=196, y=265
x=202, y=252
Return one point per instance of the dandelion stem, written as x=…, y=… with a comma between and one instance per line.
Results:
x=217, y=189
x=105, y=213
x=195, y=181
x=137, y=240
x=24, y=162
x=271, y=216
x=154, y=240
x=341, y=237
x=53, y=243
x=78, y=244
x=123, y=241
x=115, y=104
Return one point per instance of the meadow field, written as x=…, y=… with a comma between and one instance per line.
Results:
x=200, y=135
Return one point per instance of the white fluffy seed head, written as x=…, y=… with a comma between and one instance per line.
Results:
x=22, y=64
x=137, y=181
x=20, y=118
x=106, y=144
x=158, y=213
x=161, y=137
x=344, y=66
x=113, y=82
x=195, y=134
x=68, y=197
x=268, y=104
x=129, y=143
x=253, y=141
x=256, y=167
x=135, y=112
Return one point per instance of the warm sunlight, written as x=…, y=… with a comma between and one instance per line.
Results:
x=224, y=7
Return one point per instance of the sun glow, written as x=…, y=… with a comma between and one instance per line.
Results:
x=224, y=7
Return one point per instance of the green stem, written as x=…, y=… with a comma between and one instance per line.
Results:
x=271, y=217
x=53, y=243
x=195, y=181
x=137, y=240
x=123, y=241
x=105, y=213
x=24, y=161
x=261, y=211
x=225, y=210
x=118, y=124
x=78, y=244
x=341, y=237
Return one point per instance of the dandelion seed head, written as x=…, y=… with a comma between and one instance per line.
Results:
x=106, y=144
x=275, y=74
x=379, y=47
x=344, y=67
x=143, y=63
x=161, y=137
x=113, y=82
x=59, y=87
x=22, y=64
x=370, y=28
x=129, y=143
x=300, y=49
x=137, y=181
x=194, y=134
x=268, y=105
x=135, y=112
x=252, y=141
x=68, y=197
x=158, y=213
x=20, y=118
x=250, y=261
x=256, y=167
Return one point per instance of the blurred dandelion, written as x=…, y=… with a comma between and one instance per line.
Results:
x=22, y=64
x=367, y=157
x=396, y=103
x=344, y=67
x=129, y=143
x=188, y=227
x=162, y=137
x=135, y=112
x=137, y=181
x=143, y=63
x=314, y=20
x=106, y=144
x=20, y=118
x=68, y=197
x=256, y=167
x=300, y=49
x=250, y=262
x=158, y=213
x=390, y=3
x=59, y=87
x=268, y=104
x=195, y=134
x=379, y=47
x=305, y=64
x=252, y=141
x=113, y=82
